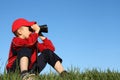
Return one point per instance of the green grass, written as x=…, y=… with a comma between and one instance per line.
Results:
x=74, y=74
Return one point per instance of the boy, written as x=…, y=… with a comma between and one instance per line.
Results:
x=25, y=47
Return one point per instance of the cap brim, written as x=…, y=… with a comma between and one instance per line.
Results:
x=30, y=23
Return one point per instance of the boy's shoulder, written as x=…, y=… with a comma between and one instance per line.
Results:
x=16, y=41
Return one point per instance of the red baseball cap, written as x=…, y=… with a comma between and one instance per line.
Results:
x=21, y=22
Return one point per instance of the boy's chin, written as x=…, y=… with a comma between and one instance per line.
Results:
x=27, y=36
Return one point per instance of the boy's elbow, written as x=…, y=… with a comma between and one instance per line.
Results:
x=53, y=48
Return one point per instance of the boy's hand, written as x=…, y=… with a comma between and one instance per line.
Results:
x=36, y=28
x=42, y=37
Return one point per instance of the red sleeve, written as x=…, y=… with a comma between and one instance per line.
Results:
x=47, y=44
x=18, y=42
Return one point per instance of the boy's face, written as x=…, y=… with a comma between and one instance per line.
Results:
x=24, y=32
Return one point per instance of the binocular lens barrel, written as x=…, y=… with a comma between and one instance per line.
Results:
x=43, y=28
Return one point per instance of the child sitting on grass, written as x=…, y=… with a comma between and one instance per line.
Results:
x=25, y=48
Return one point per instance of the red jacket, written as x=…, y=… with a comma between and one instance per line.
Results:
x=32, y=42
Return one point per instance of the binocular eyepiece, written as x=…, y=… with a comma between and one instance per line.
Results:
x=43, y=28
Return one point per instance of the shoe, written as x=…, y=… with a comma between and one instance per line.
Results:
x=64, y=74
x=28, y=77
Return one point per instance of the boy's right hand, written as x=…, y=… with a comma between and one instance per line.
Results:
x=36, y=28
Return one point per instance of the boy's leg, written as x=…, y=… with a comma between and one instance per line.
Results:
x=24, y=55
x=54, y=60
x=58, y=67
x=24, y=64
x=41, y=63
x=23, y=58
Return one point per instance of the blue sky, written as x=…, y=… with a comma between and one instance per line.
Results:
x=86, y=33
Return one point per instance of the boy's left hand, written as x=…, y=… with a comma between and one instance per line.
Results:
x=36, y=28
x=42, y=38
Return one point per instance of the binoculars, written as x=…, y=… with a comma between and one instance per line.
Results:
x=43, y=28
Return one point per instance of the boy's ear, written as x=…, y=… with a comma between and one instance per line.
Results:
x=19, y=32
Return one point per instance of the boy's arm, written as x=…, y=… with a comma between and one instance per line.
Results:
x=47, y=44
